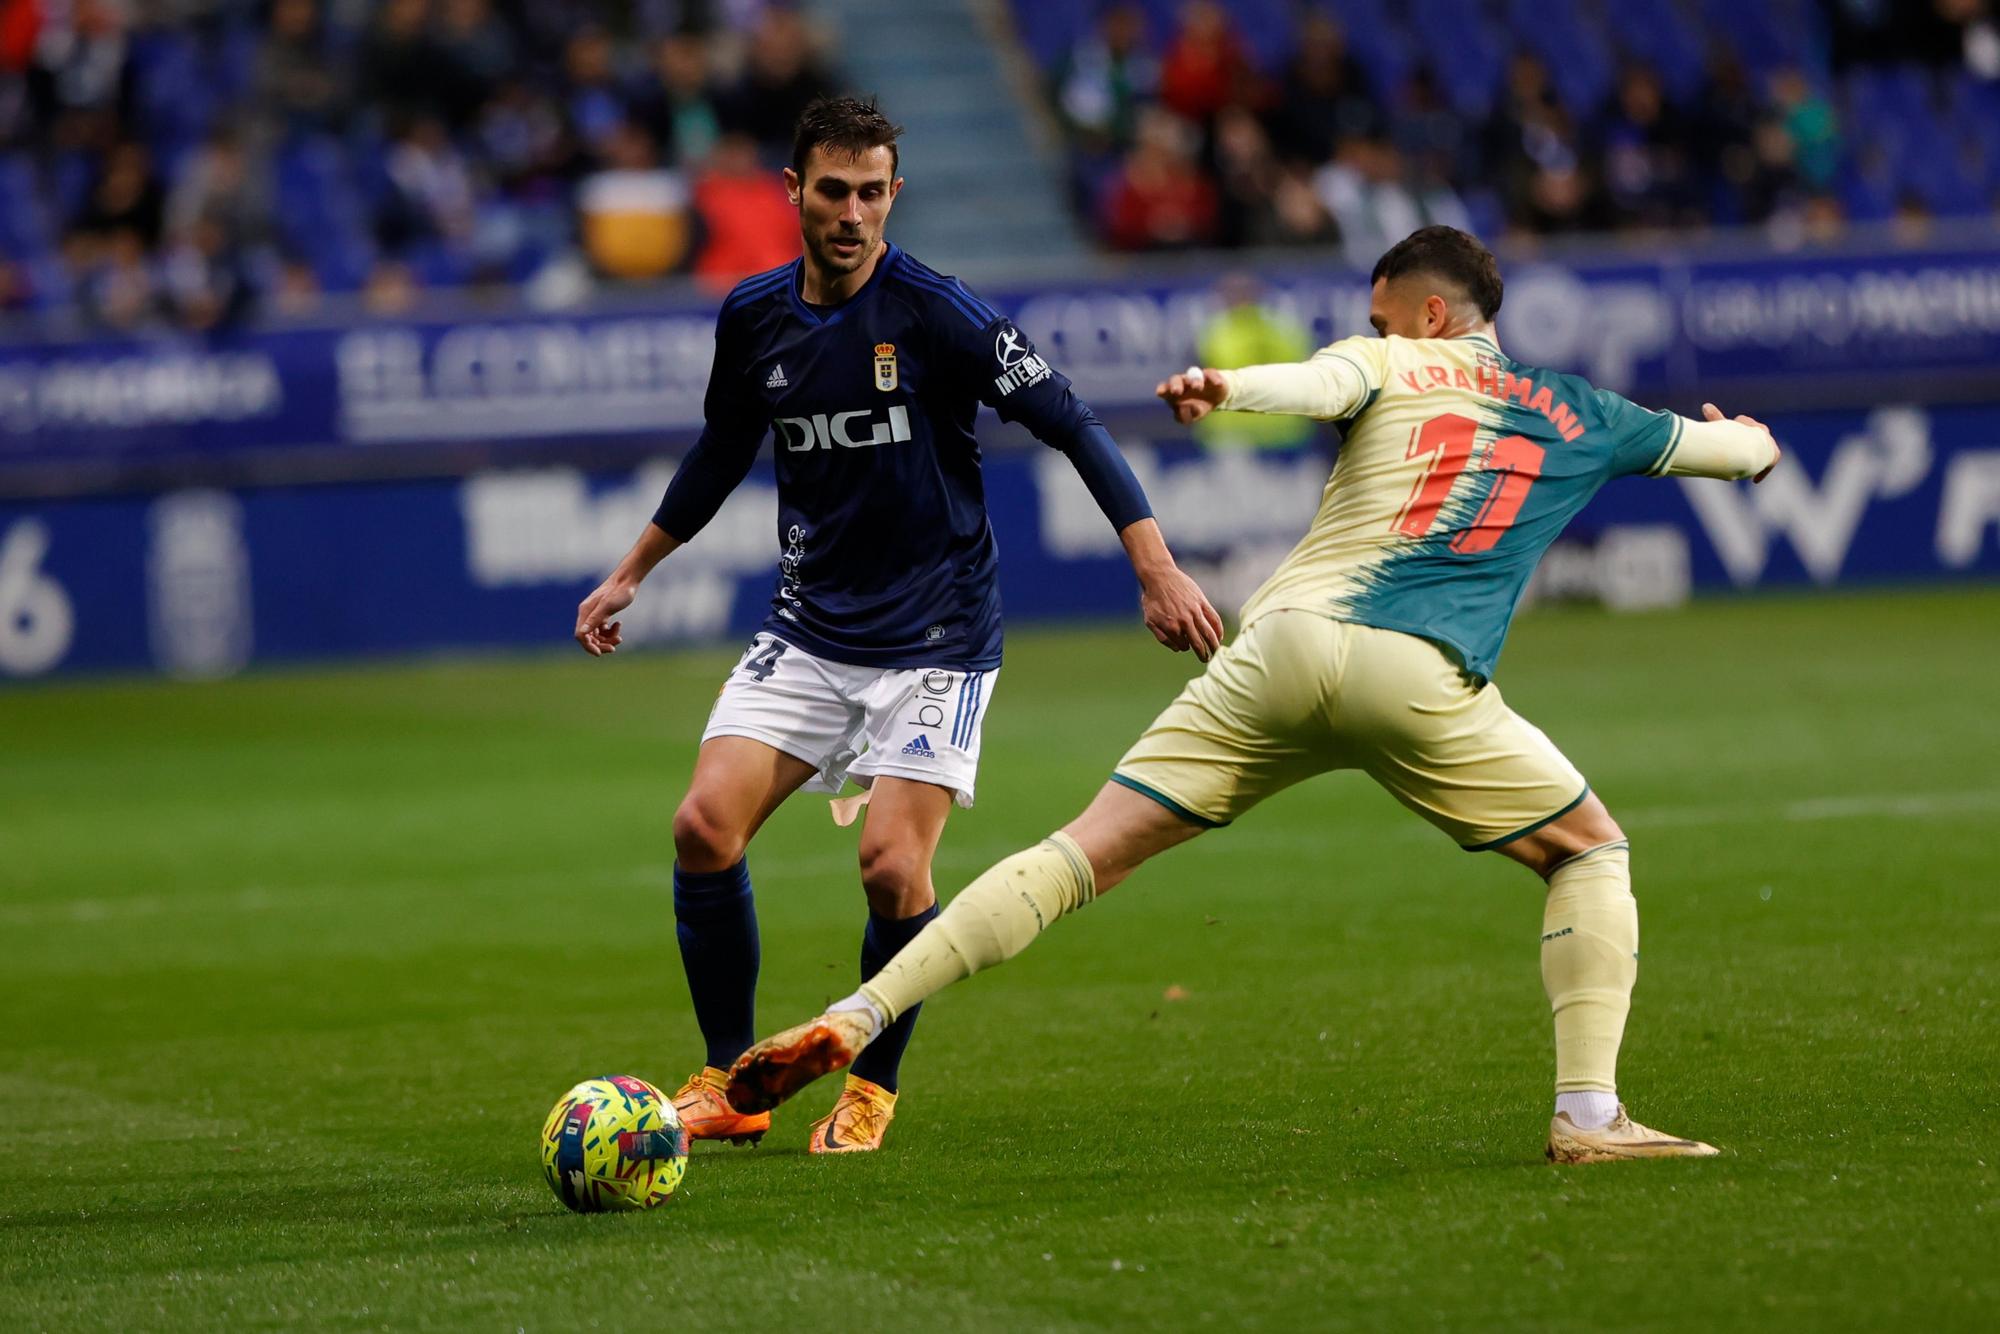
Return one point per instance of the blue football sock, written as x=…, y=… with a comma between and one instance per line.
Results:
x=717, y=924
x=878, y=1063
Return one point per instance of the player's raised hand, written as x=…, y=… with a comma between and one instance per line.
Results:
x=1712, y=413
x=595, y=629
x=1179, y=615
x=1193, y=393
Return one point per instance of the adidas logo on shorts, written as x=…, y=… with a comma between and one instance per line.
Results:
x=921, y=746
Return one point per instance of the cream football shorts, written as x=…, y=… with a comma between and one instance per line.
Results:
x=920, y=723
x=1298, y=694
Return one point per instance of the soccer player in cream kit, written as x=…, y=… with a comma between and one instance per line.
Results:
x=1373, y=647
x=882, y=647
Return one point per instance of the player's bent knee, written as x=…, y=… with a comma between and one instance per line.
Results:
x=1593, y=826
x=1121, y=830
x=1588, y=826
x=703, y=841
x=896, y=878
x=1113, y=864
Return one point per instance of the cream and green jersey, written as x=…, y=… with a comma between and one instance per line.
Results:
x=1459, y=467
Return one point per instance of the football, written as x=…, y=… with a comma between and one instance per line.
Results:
x=613, y=1143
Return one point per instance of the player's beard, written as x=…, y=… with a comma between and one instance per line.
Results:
x=832, y=261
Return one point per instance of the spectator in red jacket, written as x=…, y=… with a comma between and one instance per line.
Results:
x=1206, y=67
x=747, y=223
x=1160, y=200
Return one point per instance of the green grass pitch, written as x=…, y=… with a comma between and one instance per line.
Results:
x=292, y=967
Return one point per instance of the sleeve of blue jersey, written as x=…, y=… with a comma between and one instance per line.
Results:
x=711, y=471
x=730, y=436
x=756, y=285
x=951, y=291
x=1053, y=413
x=1097, y=460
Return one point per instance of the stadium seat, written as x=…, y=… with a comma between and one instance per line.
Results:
x=1660, y=36
x=1575, y=49
x=1050, y=31
x=1471, y=66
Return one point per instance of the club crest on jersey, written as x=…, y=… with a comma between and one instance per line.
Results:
x=885, y=366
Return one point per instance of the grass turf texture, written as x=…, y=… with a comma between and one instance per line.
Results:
x=296, y=964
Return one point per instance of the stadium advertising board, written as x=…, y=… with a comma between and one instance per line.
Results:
x=202, y=582
x=1820, y=331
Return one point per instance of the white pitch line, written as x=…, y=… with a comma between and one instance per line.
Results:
x=1910, y=807
x=1894, y=806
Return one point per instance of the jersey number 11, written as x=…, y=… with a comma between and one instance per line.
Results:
x=1447, y=440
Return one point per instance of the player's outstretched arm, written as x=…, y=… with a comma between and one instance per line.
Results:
x=1711, y=413
x=595, y=629
x=1176, y=610
x=1193, y=394
x=1733, y=453
x=1331, y=384
x=1666, y=444
x=1720, y=447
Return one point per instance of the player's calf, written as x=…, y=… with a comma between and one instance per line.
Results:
x=1590, y=961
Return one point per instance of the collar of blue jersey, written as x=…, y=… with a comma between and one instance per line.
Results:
x=890, y=254
x=1485, y=338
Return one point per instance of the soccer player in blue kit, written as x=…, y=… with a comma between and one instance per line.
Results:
x=882, y=646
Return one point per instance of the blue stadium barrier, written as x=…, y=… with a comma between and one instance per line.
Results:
x=203, y=581
x=1826, y=330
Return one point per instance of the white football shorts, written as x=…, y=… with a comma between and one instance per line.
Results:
x=920, y=723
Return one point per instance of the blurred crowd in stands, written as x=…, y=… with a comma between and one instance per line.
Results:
x=1351, y=122
x=183, y=162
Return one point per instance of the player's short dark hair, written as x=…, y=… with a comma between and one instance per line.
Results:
x=846, y=125
x=1449, y=254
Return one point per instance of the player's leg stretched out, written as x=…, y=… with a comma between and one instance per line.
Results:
x=1294, y=696
x=992, y=919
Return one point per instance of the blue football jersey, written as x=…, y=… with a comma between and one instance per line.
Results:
x=886, y=558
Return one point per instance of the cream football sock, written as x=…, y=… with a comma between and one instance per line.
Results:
x=990, y=922
x=1590, y=959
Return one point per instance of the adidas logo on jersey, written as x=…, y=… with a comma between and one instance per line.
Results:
x=776, y=379
x=921, y=746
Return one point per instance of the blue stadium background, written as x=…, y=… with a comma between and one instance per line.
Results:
x=337, y=328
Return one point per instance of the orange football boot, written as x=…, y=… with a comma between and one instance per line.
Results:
x=708, y=1115
x=858, y=1120
x=780, y=1066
